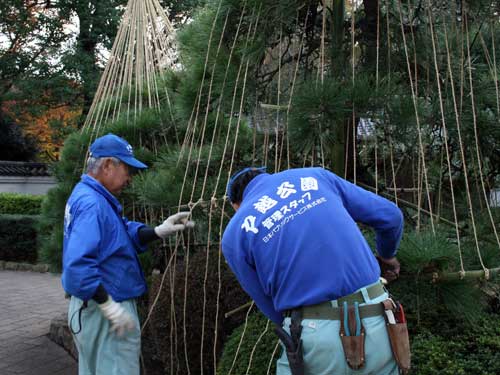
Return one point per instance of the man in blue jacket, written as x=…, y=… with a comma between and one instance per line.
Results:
x=296, y=249
x=101, y=269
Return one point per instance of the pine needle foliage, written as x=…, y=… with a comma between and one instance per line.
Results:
x=423, y=254
x=425, y=251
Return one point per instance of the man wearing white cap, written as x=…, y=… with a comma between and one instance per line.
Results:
x=101, y=269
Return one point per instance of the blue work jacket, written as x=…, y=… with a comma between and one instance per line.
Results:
x=100, y=246
x=294, y=240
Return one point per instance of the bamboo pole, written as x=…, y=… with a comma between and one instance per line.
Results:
x=463, y=275
x=238, y=309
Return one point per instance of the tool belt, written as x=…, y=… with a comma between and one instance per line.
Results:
x=325, y=311
x=352, y=332
x=374, y=291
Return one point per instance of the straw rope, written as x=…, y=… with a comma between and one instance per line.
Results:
x=417, y=117
x=445, y=134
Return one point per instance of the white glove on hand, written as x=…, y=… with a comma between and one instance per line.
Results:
x=121, y=321
x=174, y=223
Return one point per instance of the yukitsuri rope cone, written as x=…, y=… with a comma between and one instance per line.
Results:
x=143, y=48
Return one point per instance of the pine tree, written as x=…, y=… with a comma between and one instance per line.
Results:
x=291, y=84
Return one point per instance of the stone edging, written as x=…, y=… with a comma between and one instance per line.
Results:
x=14, y=266
x=61, y=335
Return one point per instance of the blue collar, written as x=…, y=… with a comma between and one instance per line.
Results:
x=97, y=186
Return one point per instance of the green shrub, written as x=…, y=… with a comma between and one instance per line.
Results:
x=50, y=226
x=255, y=353
x=473, y=350
x=20, y=204
x=18, y=238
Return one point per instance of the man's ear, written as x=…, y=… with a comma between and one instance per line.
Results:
x=106, y=166
x=236, y=206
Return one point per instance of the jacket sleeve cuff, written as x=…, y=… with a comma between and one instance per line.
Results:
x=146, y=235
x=100, y=295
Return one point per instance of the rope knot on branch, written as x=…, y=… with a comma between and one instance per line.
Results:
x=213, y=201
x=486, y=274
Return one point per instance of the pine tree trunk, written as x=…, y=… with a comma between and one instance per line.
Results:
x=338, y=150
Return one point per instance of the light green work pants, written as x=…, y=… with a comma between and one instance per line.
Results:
x=323, y=352
x=99, y=351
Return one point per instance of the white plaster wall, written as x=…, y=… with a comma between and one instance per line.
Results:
x=26, y=185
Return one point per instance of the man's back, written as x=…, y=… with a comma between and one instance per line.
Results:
x=298, y=230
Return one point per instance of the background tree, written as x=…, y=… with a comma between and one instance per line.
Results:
x=181, y=12
x=96, y=24
x=14, y=144
x=31, y=32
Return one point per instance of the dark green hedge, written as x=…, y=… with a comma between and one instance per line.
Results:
x=473, y=349
x=20, y=204
x=18, y=238
x=255, y=353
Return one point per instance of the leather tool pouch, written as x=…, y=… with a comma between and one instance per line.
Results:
x=354, y=346
x=399, y=338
